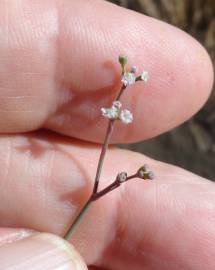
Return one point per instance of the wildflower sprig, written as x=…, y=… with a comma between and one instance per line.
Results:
x=123, y=177
x=115, y=113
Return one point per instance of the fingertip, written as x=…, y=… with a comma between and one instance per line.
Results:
x=181, y=80
x=181, y=75
x=71, y=70
x=40, y=251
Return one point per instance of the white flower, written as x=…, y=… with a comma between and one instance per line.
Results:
x=134, y=69
x=145, y=76
x=128, y=79
x=122, y=177
x=114, y=113
x=110, y=113
x=145, y=173
x=126, y=116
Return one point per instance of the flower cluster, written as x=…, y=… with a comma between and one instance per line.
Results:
x=115, y=113
x=145, y=173
x=128, y=78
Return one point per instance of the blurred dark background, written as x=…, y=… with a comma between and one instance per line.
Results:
x=192, y=145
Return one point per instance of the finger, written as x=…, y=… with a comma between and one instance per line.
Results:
x=9, y=235
x=163, y=224
x=38, y=251
x=62, y=58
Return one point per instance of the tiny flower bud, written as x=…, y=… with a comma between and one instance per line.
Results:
x=128, y=79
x=121, y=177
x=126, y=116
x=140, y=173
x=144, y=173
x=134, y=69
x=123, y=60
x=145, y=167
x=110, y=113
x=117, y=104
x=145, y=76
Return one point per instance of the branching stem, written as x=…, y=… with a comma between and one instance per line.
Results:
x=126, y=117
x=93, y=198
x=95, y=194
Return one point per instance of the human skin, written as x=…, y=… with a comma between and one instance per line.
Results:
x=58, y=67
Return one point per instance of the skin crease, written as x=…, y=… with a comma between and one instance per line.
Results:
x=58, y=66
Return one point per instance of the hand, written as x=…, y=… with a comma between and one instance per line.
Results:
x=58, y=68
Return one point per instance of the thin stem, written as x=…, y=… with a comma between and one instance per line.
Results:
x=98, y=174
x=93, y=198
x=106, y=190
x=78, y=219
x=120, y=92
x=111, y=187
x=105, y=145
x=102, y=155
x=131, y=177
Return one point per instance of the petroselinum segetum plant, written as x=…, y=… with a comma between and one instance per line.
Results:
x=116, y=112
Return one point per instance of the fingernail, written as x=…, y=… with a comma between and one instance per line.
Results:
x=9, y=235
x=40, y=251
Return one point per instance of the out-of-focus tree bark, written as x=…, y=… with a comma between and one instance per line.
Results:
x=193, y=144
